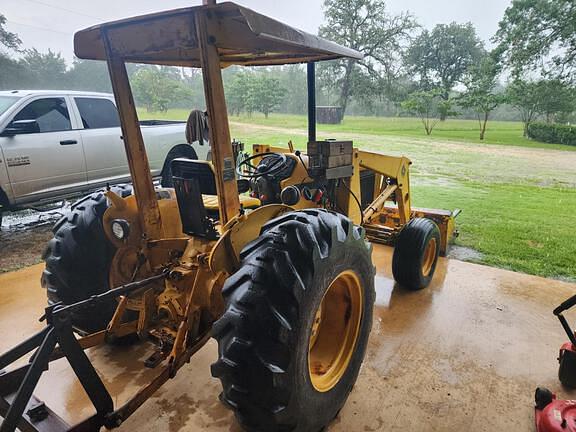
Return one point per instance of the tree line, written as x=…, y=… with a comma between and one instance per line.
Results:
x=447, y=70
x=406, y=70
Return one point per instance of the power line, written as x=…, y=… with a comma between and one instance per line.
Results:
x=39, y=27
x=65, y=9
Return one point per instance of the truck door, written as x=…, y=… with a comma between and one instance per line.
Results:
x=102, y=140
x=44, y=155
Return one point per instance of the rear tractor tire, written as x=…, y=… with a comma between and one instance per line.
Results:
x=297, y=320
x=78, y=260
x=416, y=253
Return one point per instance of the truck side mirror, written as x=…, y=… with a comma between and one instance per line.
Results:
x=19, y=127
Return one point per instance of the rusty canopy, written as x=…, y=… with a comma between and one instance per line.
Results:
x=242, y=36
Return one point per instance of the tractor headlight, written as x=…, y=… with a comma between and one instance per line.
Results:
x=120, y=229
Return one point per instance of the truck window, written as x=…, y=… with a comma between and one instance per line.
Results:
x=97, y=113
x=6, y=102
x=51, y=114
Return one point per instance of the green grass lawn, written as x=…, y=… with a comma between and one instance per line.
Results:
x=518, y=197
x=498, y=132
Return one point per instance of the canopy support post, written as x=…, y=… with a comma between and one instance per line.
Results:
x=148, y=210
x=220, y=143
x=311, y=79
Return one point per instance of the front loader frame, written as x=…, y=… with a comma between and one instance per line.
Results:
x=389, y=207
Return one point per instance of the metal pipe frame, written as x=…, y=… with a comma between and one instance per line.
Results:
x=22, y=410
x=311, y=82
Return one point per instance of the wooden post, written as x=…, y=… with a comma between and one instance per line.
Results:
x=220, y=143
x=144, y=192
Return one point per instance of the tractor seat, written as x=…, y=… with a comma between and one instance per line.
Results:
x=211, y=202
x=195, y=185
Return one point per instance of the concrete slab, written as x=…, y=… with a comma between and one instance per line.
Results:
x=463, y=355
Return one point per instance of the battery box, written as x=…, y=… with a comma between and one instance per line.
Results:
x=330, y=159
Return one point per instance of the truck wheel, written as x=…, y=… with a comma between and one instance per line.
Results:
x=179, y=151
x=78, y=260
x=4, y=204
x=416, y=253
x=297, y=320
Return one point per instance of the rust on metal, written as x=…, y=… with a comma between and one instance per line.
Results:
x=241, y=36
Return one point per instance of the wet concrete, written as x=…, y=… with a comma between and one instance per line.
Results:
x=463, y=355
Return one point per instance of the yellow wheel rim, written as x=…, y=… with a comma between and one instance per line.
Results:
x=429, y=257
x=334, y=331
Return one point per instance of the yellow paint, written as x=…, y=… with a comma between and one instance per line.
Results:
x=335, y=331
x=429, y=257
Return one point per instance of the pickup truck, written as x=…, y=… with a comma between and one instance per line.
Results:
x=57, y=144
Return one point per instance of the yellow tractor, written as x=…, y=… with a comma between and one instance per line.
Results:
x=267, y=254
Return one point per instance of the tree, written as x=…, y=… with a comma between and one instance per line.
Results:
x=557, y=99
x=442, y=58
x=47, y=70
x=526, y=97
x=364, y=25
x=89, y=75
x=237, y=92
x=7, y=39
x=539, y=33
x=429, y=106
x=481, y=95
x=10, y=70
x=267, y=93
x=293, y=79
x=251, y=92
x=156, y=89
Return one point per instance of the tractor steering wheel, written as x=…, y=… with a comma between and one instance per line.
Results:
x=275, y=163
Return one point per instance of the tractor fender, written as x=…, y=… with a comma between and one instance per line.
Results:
x=238, y=232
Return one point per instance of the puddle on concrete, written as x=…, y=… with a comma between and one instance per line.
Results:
x=384, y=285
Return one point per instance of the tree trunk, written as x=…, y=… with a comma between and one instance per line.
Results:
x=444, y=96
x=345, y=92
x=525, y=115
x=483, y=127
x=427, y=126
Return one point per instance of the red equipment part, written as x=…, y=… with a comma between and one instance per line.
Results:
x=566, y=346
x=553, y=415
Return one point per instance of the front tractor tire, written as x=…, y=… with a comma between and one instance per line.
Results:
x=416, y=254
x=78, y=260
x=297, y=320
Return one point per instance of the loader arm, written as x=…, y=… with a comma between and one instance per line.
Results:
x=390, y=171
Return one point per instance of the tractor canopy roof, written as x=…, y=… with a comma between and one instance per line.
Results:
x=242, y=36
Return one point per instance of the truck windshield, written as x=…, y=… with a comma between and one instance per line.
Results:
x=6, y=102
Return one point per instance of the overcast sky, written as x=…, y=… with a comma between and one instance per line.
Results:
x=47, y=24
